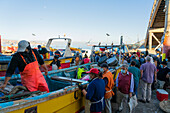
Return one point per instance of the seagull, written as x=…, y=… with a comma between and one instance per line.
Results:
x=89, y=41
x=107, y=34
x=33, y=34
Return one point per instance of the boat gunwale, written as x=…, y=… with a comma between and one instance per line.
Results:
x=18, y=104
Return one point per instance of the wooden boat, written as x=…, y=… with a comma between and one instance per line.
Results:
x=64, y=95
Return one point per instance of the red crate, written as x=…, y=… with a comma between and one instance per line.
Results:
x=161, y=94
x=65, y=65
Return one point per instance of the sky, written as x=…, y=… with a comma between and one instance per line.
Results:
x=80, y=20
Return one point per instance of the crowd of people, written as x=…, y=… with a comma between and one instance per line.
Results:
x=136, y=68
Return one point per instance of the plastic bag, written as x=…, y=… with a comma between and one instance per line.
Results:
x=132, y=103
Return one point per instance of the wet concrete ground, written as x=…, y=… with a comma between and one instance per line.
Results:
x=152, y=107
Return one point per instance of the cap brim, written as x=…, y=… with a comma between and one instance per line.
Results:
x=21, y=49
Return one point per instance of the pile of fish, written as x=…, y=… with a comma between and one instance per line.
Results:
x=11, y=93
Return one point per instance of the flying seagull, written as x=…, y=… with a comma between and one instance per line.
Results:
x=33, y=34
x=107, y=34
x=89, y=41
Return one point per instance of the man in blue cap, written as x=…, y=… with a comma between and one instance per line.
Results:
x=43, y=52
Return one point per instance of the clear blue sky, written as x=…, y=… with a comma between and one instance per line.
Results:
x=81, y=20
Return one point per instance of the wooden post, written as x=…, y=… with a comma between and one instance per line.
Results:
x=150, y=41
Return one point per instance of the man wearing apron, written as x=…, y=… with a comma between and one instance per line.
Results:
x=108, y=78
x=27, y=61
x=95, y=92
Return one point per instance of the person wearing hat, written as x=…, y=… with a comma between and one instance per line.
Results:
x=57, y=52
x=56, y=62
x=43, y=52
x=95, y=91
x=162, y=73
x=27, y=60
x=108, y=78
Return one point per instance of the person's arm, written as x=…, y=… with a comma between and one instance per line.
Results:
x=168, y=75
x=41, y=61
x=45, y=68
x=5, y=83
x=11, y=68
x=90, y=91
x=105, y=80
x=141, y=73
x=58, y=64
x=155, y=75
x=39, y=58
x=84, y=92
x=117, y=81
x=131, y=86
x=155, y=70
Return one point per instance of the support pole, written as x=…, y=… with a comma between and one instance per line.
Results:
x=150, y=41
x=120, y=47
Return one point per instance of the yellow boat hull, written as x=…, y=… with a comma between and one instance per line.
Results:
x=63, y=104
x=67, y=60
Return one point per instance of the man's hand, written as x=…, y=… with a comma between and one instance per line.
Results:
x=45, y=69
x=80, y=87
x=5, y=83
x=117, y=88
x=46, y=72
x=3, y=86
x=130, y=94
x=167, y=76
